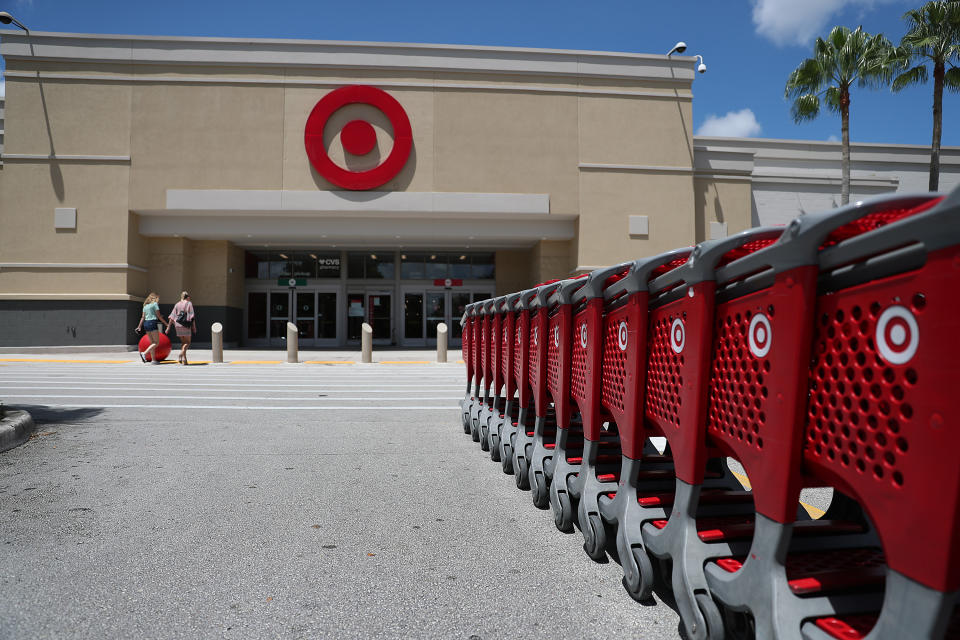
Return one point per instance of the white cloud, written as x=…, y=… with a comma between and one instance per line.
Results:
x=833, y=138
x=787, y=22
x=736, y=124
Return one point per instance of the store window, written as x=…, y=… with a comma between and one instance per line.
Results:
x=437, y=265
x=271, y=265
x=411, y=266
x=328, y=264
x=482, y=266
x=373, y=265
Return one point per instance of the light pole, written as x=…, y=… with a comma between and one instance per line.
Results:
x=6, y=18
x=680, y=47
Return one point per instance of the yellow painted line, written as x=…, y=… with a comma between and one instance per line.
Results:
x=328, y=362
x=460, y=362
x=812, y=510
x=256, y=362
x=406, y=361
x=65, y=361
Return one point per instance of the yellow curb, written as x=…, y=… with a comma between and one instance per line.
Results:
x=406, y=361
x=256, y=362
x=328, y=362
x=812, y=510
x=65, y=361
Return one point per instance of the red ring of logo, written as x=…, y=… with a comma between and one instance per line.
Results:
x=358, y=180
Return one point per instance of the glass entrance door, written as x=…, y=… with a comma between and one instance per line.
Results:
x=436, y=311
x=306, y=304
x=424, y=309
x=374, y=308
x=379, y=316
x=413, y=318
x=279, y=316
x=316, y=317
x=327, y=317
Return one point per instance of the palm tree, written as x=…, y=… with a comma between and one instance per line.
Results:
x=933, y=35
x=845, y=58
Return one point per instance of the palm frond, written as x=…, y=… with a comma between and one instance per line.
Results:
x=915, y=75
x=951, y=79
x=805, y=107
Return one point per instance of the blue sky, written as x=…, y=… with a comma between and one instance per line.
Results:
x=749, y=46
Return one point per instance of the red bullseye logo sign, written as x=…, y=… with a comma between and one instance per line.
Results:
x=358, y=137
x=760, y=335
x=556, y=337
x=897, y=335
x=583, y=335
x=678, y=336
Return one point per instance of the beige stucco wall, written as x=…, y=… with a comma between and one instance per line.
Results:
x=722, y=200
x=512, y=270
x=203, y=137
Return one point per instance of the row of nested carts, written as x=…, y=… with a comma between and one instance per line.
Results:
x=673, y=408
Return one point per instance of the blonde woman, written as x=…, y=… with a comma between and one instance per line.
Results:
x=182, y=317
x=148, y=322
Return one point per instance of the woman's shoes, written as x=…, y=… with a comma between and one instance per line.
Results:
x=142, y=359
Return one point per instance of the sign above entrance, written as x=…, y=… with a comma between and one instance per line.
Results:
x=358, y=137
x=292, y=282
x=448, y=282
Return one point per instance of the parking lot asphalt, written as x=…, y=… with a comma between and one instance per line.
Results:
x=274, y=500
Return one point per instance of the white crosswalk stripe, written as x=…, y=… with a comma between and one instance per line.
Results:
x=268, y=387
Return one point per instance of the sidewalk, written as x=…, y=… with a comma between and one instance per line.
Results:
x=384, y=355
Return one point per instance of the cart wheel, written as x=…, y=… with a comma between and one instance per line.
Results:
x=711, y=617
x=494, y=446
x=539, y=490
x=594, y=538
x=521, y=473
x=475, y=430
x=485, y=436
x=465, y=421
x=506, y=459
x=638, y=575
x=562, y=510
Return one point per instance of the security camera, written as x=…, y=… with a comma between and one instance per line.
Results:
x=702, y=68
x=680, y=47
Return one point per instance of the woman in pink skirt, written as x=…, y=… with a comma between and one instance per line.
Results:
x=183, y=319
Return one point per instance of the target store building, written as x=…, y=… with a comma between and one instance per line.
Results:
x=334, y=183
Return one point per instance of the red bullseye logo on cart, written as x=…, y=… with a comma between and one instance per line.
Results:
x=556, y=337
x=759, y=335
x=897, y=335
x=583, y=335
x=358, y=138
x=678, y=336
x=622, y=336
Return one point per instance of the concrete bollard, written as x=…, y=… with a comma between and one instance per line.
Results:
x=366, y=343
x=216, y=342
x=442, y=342
x=293, y=341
